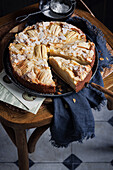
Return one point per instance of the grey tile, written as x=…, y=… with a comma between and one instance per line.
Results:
x=83, y=166
x=95, y=166
x=8, y=166
x=8, y=151
x=103, y=115
x=45, y=152
x=98, y=149
x=49, y=166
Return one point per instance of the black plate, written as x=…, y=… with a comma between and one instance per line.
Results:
x=61, y=86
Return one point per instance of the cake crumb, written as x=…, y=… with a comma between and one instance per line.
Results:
x=59, y=93
x=74, y=100
x=101, y=59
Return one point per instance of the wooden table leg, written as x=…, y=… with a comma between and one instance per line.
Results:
x=35, y=136
x=10, y=132
x=21, y=143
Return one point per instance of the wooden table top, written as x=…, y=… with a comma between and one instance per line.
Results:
x=44, y=116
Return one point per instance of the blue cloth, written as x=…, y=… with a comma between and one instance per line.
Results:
x=74, y=121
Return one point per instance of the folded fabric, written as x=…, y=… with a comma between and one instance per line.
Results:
x=73, y=119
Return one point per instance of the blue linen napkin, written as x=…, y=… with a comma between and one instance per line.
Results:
x=73, y=119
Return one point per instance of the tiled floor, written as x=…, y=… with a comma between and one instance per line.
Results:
x=93, y=154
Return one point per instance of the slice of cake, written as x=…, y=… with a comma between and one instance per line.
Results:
x=71, y=72
x=82, y=52
x=31, y=68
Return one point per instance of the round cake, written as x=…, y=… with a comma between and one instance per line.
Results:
x=42, y=44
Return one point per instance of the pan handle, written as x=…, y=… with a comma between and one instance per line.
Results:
x=102, y=89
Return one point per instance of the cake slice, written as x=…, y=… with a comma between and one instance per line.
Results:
x=31, y=68
x=71, y=72
x=82, y=52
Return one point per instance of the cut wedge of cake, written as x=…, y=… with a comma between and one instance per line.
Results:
x=71, y=72
x=82, y=52
x=32, y=70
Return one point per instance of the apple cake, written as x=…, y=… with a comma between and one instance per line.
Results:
x=73, y=73
x=62, y=45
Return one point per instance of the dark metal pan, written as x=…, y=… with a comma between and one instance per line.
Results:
x=62, y=88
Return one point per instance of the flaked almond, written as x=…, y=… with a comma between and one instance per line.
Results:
x=101, y=59
x=74, y=100
x=59, y=93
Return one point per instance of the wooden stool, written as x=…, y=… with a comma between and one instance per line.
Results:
x=15, y=121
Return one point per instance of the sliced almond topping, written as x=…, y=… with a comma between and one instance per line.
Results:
x=101, y=59
x=74, y=100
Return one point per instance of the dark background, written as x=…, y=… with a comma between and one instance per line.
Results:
x=102, y=9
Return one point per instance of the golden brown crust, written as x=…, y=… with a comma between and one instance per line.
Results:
x=81, y=84
x=41, y=88
x=94, y=56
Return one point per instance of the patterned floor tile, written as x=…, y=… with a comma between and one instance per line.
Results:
x=72, y=162
x=8, y=151
x=95, y=166
x=49, y=166
x=31, y=163
x=45, y=152
x=96, y=153
x=8, y=166
x=98, y=149
x=110, y=121
x=103, y=115
x=112, y=162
